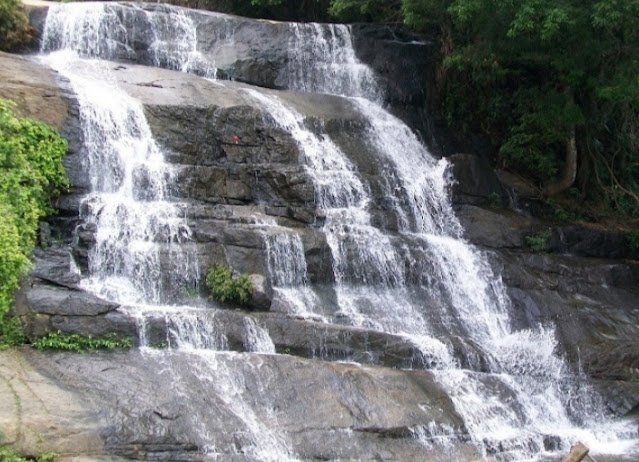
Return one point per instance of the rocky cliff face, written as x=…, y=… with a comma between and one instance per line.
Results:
x=237, y=170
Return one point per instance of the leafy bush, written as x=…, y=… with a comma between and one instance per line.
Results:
x=495, y=201
x=632, y=238
x=15, y=30
x=8, y=455
x=10, y=332
x=13, y=259
x=283, y=10
x=79, y=343
x=226, y=288
x=537, y=242
x=31, y=172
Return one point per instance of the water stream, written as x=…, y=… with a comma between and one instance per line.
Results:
x=524, y=364
x=137, y=258
x=382, y=277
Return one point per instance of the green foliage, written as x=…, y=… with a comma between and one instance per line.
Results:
x=47, y=457
x=424, y=14
x=544, y=122
x=10, y=332
x=538, y=242
x=14, y=25
x=283, y=10
x=8, y=455
x=79, y=343
x=561, y=213
x=366, y=10
x=13, y=257
x=495, y=201
x=226, y=288
x=31, y=172
x=632, y=238
x=528, y=74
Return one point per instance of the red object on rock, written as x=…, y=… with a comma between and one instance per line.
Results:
x=236, y=139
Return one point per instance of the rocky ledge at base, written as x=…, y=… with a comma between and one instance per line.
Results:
x=129, y=406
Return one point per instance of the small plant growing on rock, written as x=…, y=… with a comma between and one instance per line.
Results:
x=226, y=288
x=79, y=343
x=495, y=201
x=10, y=332
x=9, y=455
x=632, y=238
x=537, y=242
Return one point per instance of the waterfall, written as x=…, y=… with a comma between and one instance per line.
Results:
x=363, y=256
x=137, y=257
x=287, y=270
x=103, y=30
x=523, y=364
x=422, y=281
x=138, y=225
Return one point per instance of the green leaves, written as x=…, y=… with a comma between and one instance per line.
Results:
x=383, y=11
x=545, y=121
x=226, y=288
x=8, y=455
x=31, y=172
x=538, y=242
x=79, y=343
x=534, y=75
x=14, y=25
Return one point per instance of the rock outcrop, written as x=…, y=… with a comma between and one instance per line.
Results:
x=130, y=406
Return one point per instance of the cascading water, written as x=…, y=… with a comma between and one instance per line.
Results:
x=523, y=364
x=362, y=254
x=422, y=281
x=287, y=269
x=136, y=259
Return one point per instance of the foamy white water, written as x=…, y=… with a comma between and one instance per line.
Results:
x=137, y=259
x=525, y=398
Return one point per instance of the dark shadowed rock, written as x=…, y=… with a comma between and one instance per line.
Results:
x=494, y=228
x=586, y=241
x=475, y=182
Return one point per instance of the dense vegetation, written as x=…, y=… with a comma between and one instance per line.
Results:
x=552, y=84
x=31, y=173
x=15, y=31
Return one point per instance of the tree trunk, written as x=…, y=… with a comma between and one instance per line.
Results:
x=569, y=171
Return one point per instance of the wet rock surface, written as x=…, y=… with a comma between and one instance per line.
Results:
x=365, y=412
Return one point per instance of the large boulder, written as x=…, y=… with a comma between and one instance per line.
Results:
x=131, y=405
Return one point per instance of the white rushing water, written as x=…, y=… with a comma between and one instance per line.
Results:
x=529, y=392
x=138, y=229
x=423, y=281
x=137, y=258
